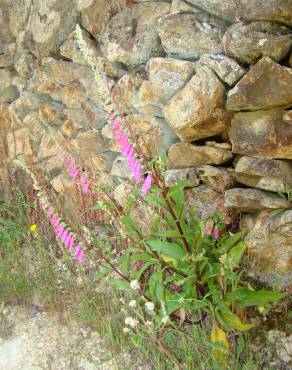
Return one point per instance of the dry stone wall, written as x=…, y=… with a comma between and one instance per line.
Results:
x=207, y=81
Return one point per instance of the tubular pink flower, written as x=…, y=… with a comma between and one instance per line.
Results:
x=86, y=187
x=83, y=180
x=79, y=253
x=138, y=172
x=71, y=242
x=117, y=123
x=75, y=174
x=59, y=230
x=64, y=235
x=113, y=117
x=147, y=184
x=216, y=233
x=54, y=221
x=67, y=240
x=208, y=230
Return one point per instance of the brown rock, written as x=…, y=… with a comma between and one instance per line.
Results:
x=252, y=200
x=198, y=110
x=184, y=155
x=89, y=144
x=267, y=85
x=205, y=202
x=19, y=143
x=73, y=94
x=269, y=241
x=261, y=134
x=248, y=43
x=219, y=179
x=226, y=9
x=266, y=174
x=269, y=10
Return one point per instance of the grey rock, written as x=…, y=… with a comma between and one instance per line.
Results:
x=24, y=65
x=186, y=36
x=226, y=68
x=267, y=85
x=186, y=174
x=248, y=43
x=120, y=168
x=130, y=37
x=252, y=200
x=226, y=9
x=262, y=134
x=166, y=76
x=266, y=174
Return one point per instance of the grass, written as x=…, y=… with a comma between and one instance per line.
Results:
x=31, y=269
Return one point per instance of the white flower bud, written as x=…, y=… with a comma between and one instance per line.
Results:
x=149, y=306
x=133, y=303
x=134, y=284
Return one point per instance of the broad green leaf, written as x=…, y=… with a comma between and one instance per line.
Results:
x=124, y=263
x=235, y=254
x=120, y=284
x=169, y=234
x=137, y=275
x=156, y=288
x=245, y=297
x=172, y=250
x=132, y=228
x=141, y=257
x=169, y=260
x=232, y=321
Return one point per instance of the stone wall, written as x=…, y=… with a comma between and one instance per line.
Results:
x=208, y=81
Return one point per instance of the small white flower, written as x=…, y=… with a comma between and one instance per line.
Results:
x=165, y=319
x=149, y=306
x=133, y=323
x=126, y=330
x=148, y=323
x=134, y=284
x=133, y=303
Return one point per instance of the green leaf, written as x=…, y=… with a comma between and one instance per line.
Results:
x=156, y=287
x=169, y=234
x=172, y=250
x=124, y=263
x=245, y=297
x=235, y=254
x=141, y=257
x=232, y=321
x=178, y=188
x=132, y=228
x=120, y=284
x=230, y=241
x=137, y=275
x=101, y=273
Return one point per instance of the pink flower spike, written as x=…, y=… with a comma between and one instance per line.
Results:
x=54, y=221
x=147, y=184
x=113, y=117
x=208, y=230
x=59, y=230
x=64, y=235
x=138, y=172
x=71, y=242
x=86, y=188
x=80, y=256
x=83, y=180
x=67, y=240
x=117, y=123
x=216, y=233
x=76, y=174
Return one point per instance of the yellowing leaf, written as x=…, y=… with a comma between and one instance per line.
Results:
x=219, y=336
x=168, y=259
x=232, y=321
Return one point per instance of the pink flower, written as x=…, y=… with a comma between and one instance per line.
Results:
x=67, y=240
x=216, y=233
x=86, y=188
x=54, y=221
x=79, y=253
x=208, y=230
x=59, y=230
x=71, y=242
x=147, y=184
x=64, y=235
x=75, y=174
x=137, y=172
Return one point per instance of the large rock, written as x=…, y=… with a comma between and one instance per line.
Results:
x=269, y=241
x=153, y=134
x=184, y=155
x=248, y=43
x=261, y=134
x=73, y=94
x=198, y=109
x=96, y=13
x=185, y=174
x=65, y=72
x=5, y=33
x=186, y=36
x=252, y=200
x=269, y=10
x=267, y=85
x=266, y=174
x=89, y=144
x=42, y=27
x=19, y=143
x=226, y=9
x=166, y=76
x=205, y=202
x=130, y=36
x=226, y=68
